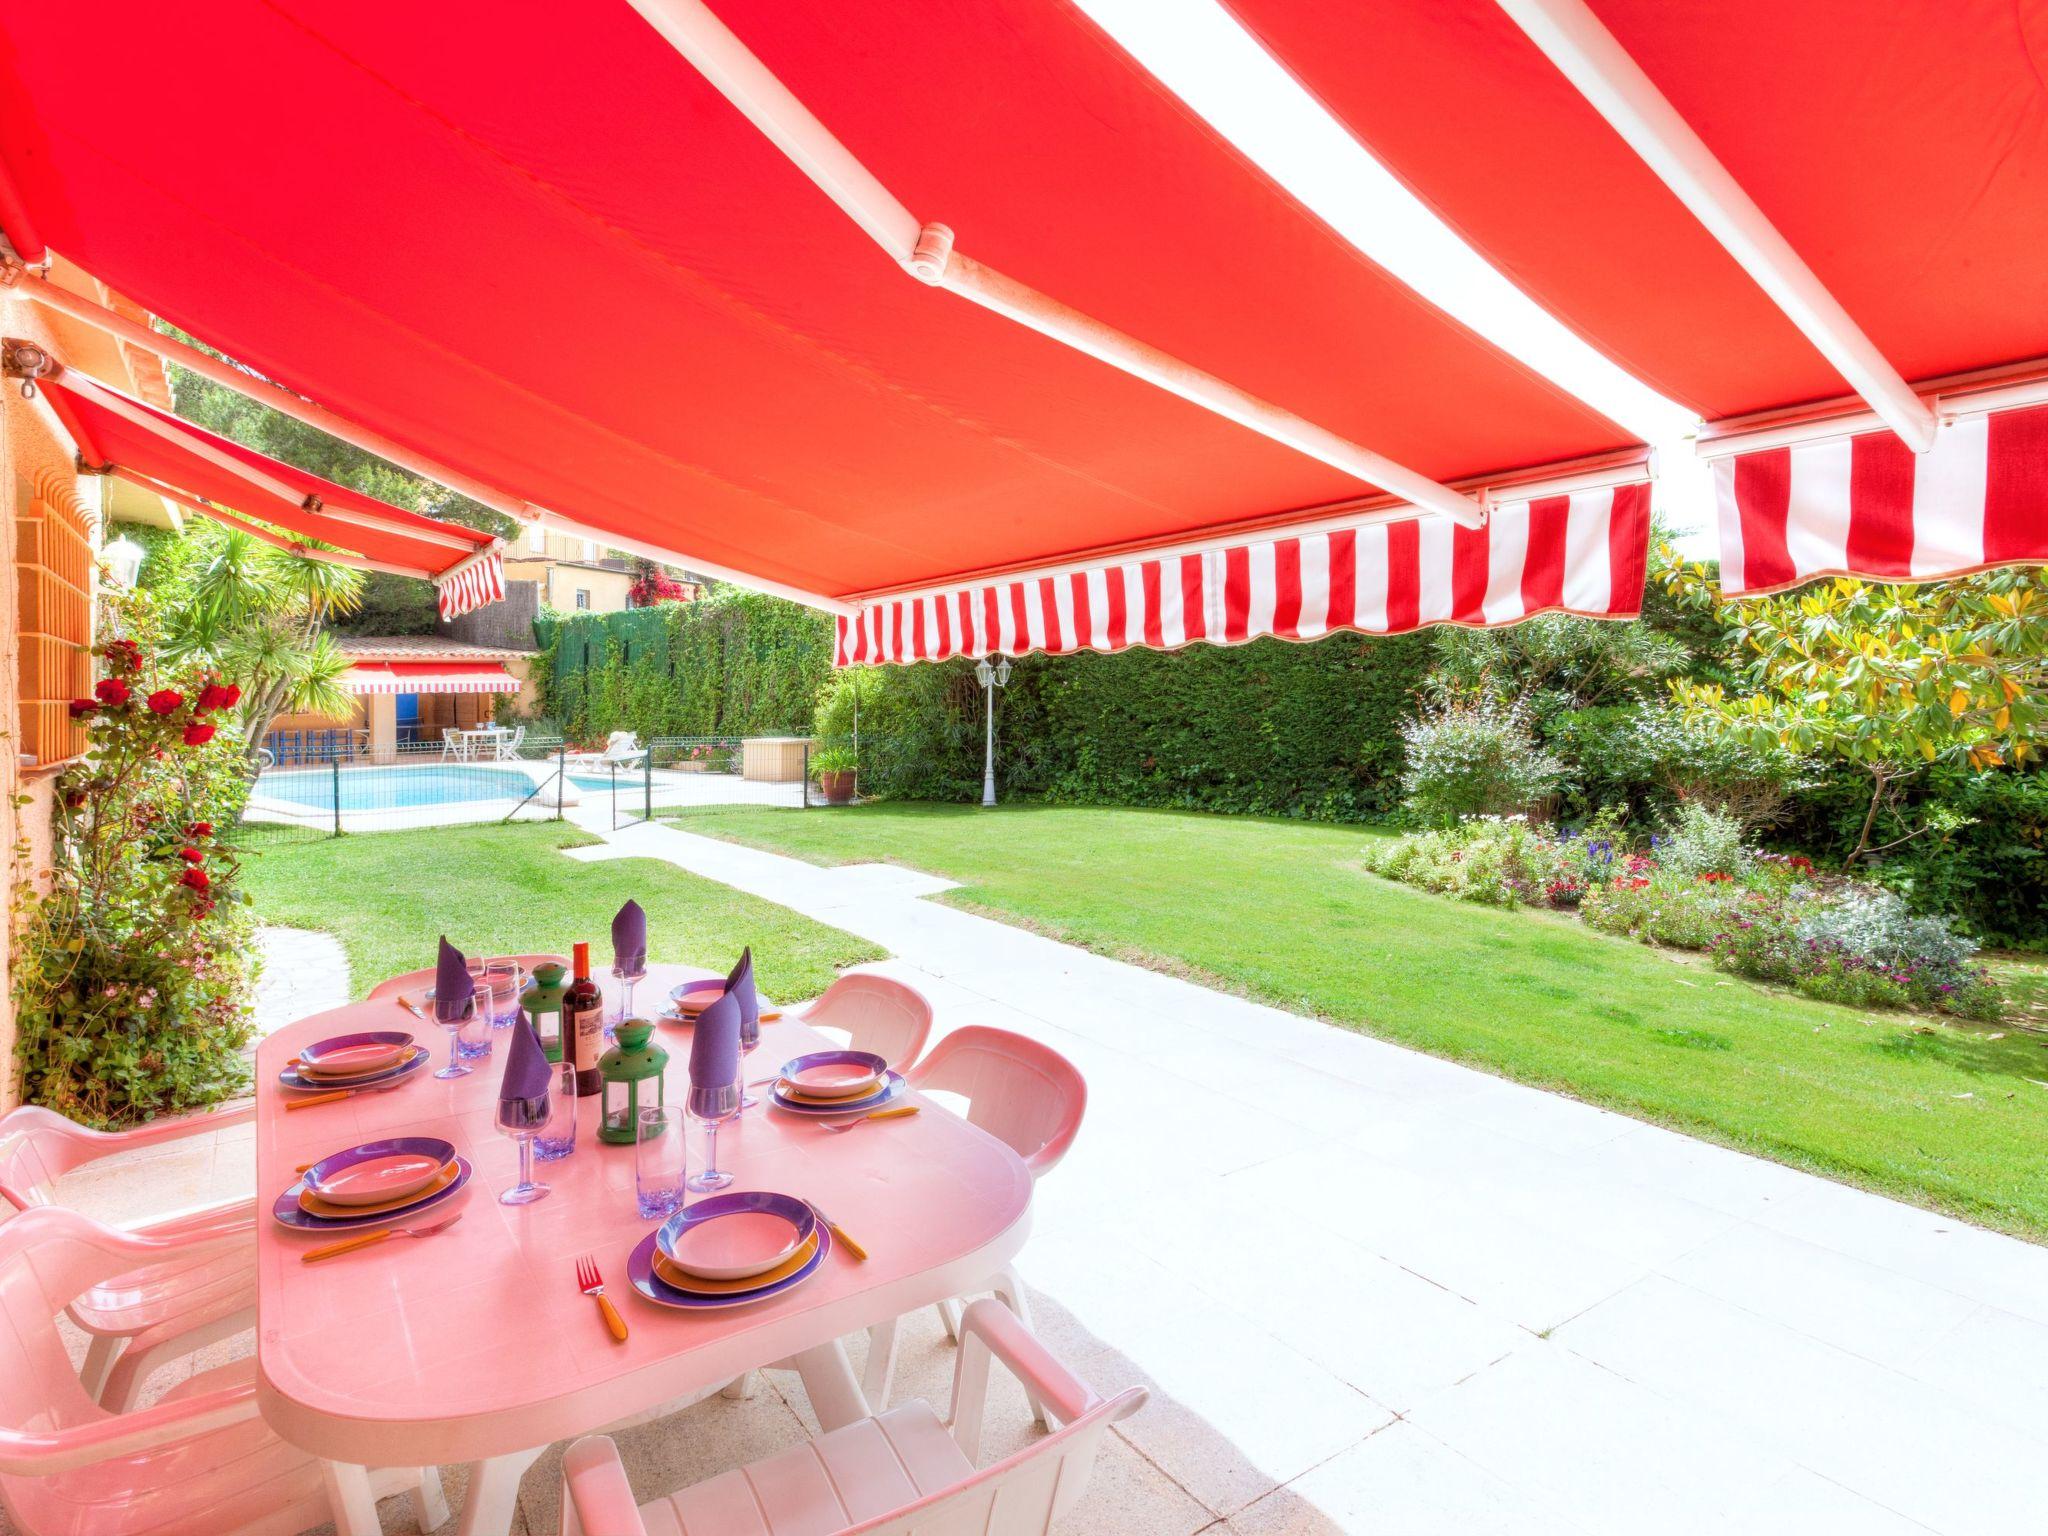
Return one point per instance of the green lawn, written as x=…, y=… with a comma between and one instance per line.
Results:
x=1953, y=1117
x=507, y=890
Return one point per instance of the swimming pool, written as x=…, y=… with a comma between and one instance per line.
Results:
x=397, y=788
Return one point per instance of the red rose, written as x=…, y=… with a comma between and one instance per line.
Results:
x=165, y=700
x=197, y=735
x=234, y=696
x=200, y=829
x=212, y=696
x=123, y=655
x=198, y=879
x=191, y=855
x=81, y=707
x=111, y=690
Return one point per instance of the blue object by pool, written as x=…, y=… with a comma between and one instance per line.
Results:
x=383, y=789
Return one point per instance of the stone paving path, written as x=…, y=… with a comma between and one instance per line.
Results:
x=1377, y=1291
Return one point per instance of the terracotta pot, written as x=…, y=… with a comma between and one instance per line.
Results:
x=837, y=785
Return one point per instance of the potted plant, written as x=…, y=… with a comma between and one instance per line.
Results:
x=834, y=767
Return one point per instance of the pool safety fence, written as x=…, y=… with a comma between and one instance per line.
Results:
x=328, y=785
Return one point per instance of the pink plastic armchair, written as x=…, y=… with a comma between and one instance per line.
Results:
x=899, y=1472
x=1028, y=1096
x=199, y=1461
x=137, y=1321
x=879, y=1015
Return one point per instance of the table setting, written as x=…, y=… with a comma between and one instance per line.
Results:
x=645, y=1186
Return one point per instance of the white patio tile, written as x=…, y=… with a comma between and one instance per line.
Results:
x=1887, y=1437
x=1803, y=1503
x=1400, y=1482
x=1993, y=1361
x=1603, y=1451
x=1699, y=1171
x=1546, y=1120
x=1868, y=1311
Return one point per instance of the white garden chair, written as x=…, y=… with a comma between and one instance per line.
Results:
x=508, y=746
x=138, y=1321
x=200, y=1460
x=879, y=1015
x=1024, y=1094
x=454, y=745
x=621, y=749
x=901, y=1473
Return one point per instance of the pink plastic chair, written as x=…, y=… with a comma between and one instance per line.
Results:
x=139, y=1320
x=1026, y=1095
x=899, y=1472
x=414, y=981
x=879, y=1015
x=199, y=1461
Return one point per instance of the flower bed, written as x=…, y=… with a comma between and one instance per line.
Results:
x=1763, y=916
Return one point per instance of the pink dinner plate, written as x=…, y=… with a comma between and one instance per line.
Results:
x=385, y=1175
x=834, y=1079
x=354, y=1060
x=736, y=1246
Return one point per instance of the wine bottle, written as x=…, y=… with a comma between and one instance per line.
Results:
x=583, y=1025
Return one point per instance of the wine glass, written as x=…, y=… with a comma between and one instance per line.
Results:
x=523, y=1120
x=709, y=1109
x=557, y=1139
x=626, y=970
x=453, y=1016
x=750, y=1042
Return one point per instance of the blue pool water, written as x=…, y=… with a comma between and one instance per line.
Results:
x=605, y=781
x=385, y=789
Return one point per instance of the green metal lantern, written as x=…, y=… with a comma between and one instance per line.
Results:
x=541, y=1002
x=632, y=1073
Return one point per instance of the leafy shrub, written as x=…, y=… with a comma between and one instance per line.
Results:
x=133, y=978
x=1827, y=969
x=1495, y=862
x=1475, y=757
x=1703, y=842
x=1678, y=910
x=1875, y=925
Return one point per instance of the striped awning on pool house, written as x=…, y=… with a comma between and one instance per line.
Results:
x=430, y=677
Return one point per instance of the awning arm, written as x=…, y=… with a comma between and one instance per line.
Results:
x=1590, y=57
x=926, y=252
x=203, y=508
x=282, y=400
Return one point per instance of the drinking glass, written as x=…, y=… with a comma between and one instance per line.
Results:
x=455, y=1018
x=659, y=1158
x=473, y=1034
x=557, y=1139
x=709, y=1109
x=522, y=1120
x=507, y=978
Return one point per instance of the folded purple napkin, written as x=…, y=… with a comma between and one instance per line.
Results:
x=527, y=1071
x=715, y=1045
x=740, y=985
x=629, y=940
x=453, y=985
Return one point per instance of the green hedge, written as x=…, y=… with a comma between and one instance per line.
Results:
x=734, y=664
x=1270, y=728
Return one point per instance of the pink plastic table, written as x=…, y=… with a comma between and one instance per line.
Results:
x=475, y=1345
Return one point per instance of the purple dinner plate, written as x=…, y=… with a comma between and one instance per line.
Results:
x=288, y=1212
x=893, y=1088
x=292, y=1077
x=336, y=1052
x=734, y=1202
x=381, y=1170
x=843, y=1066
x=640, y=1270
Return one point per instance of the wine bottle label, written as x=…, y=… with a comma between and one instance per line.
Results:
x=587, y=1026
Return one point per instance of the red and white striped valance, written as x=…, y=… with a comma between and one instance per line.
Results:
x=453, y=678
x=1583, y=553
x=1868, y=506
x=470, y=586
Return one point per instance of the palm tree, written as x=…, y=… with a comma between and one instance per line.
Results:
x=258, y=613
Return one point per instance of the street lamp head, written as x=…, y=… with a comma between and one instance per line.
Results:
x=984, y=674
x=1003, y=673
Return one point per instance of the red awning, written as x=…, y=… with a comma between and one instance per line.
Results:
x=625, y=305
x=218, y=478
x=429, y=677
x=1901, y=151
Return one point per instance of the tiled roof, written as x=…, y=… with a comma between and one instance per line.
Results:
x=419, y=648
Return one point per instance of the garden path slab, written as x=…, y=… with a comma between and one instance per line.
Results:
x=1443, y=1301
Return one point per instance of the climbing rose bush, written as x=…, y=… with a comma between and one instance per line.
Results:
x=133, y=982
